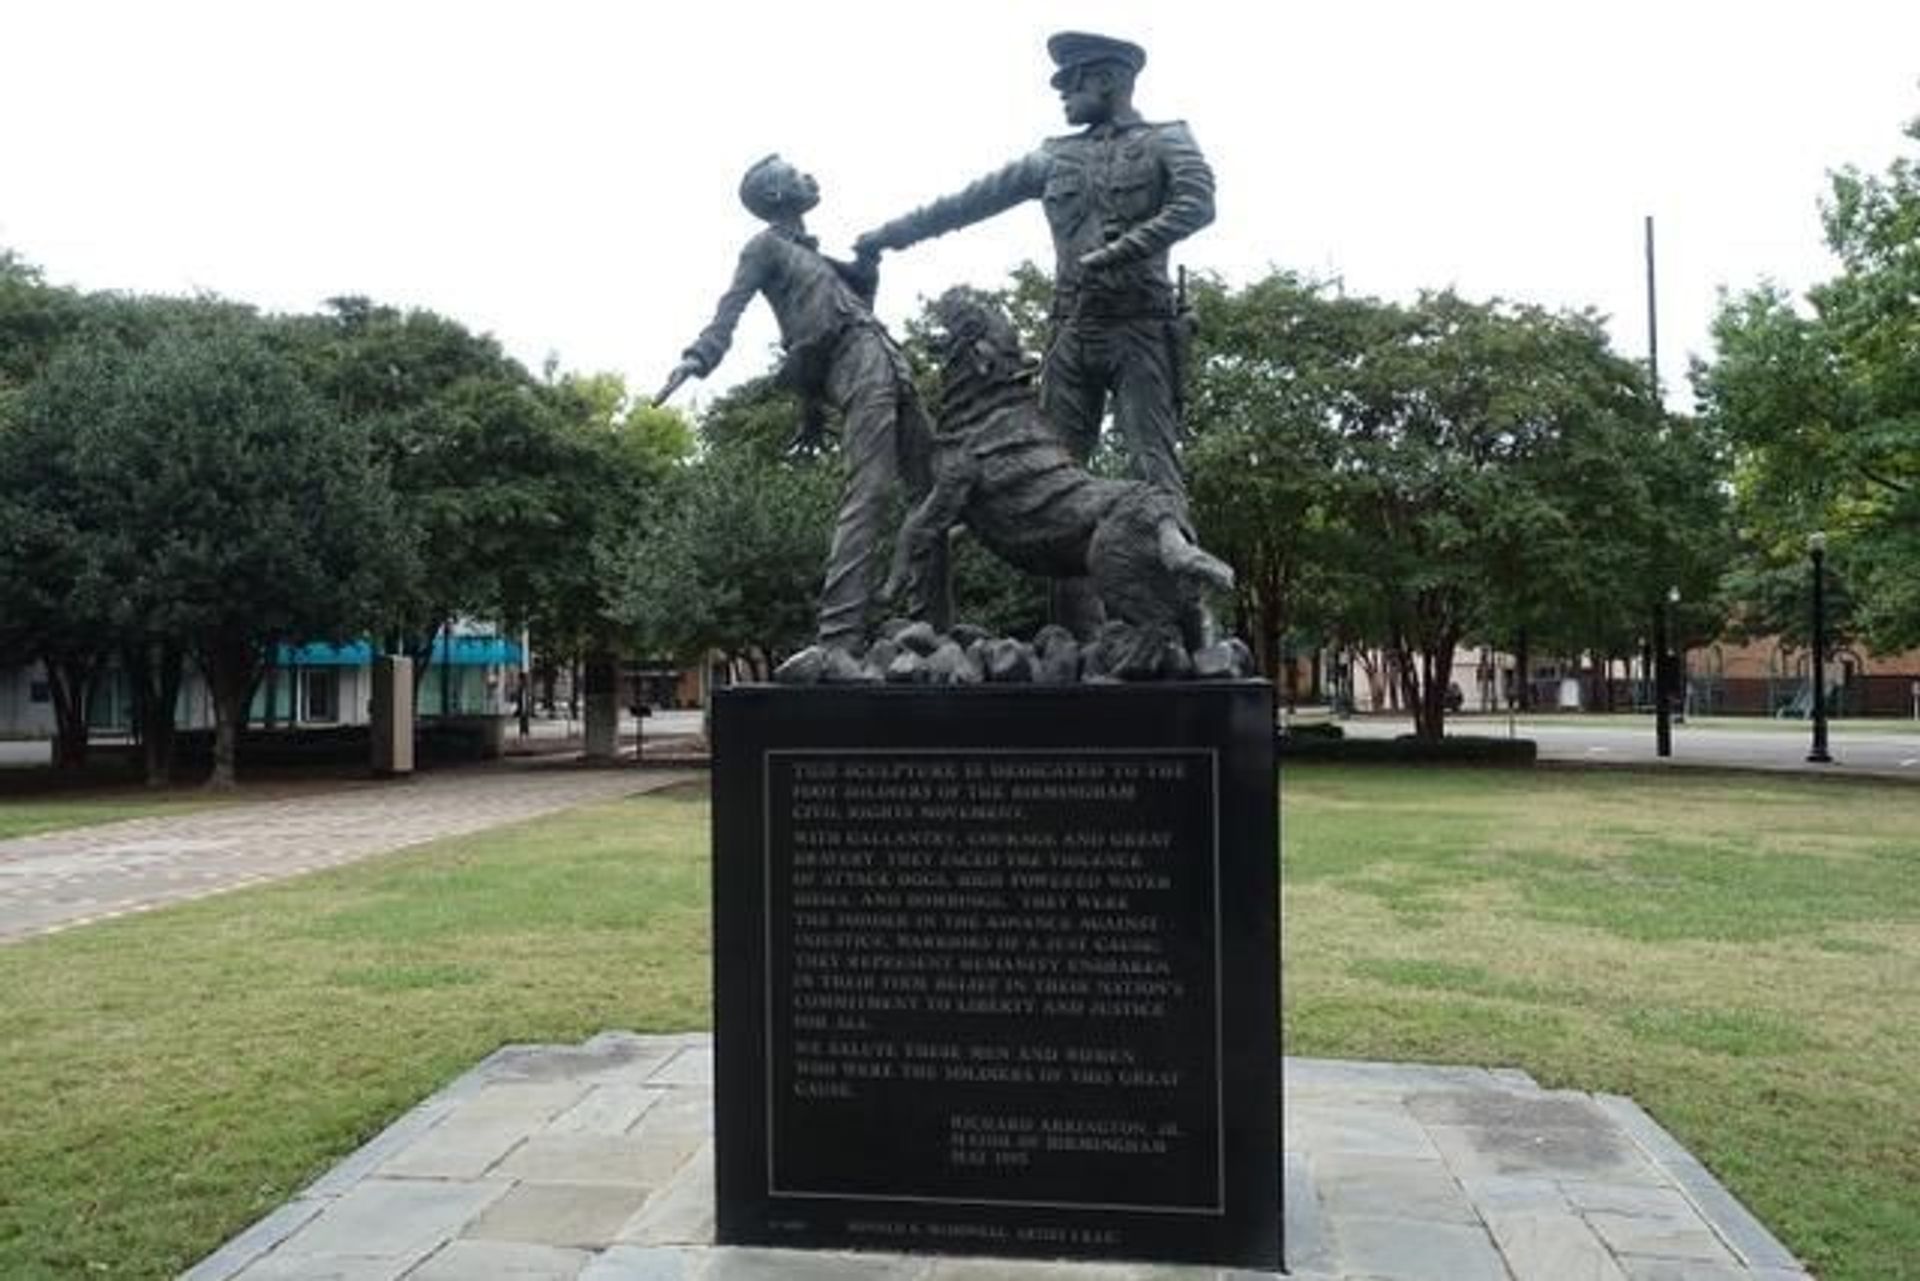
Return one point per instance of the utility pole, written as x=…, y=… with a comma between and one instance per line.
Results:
x=1662, y=703
x=1653, y=323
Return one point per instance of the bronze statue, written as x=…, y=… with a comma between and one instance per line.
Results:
x=1118, y=195
x=1000, y=469
x=837, y=354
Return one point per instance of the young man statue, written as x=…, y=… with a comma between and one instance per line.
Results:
x=837, y=354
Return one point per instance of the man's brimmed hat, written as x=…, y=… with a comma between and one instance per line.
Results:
x=1072, y=50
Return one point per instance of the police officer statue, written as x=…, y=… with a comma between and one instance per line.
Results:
x=1117, y=196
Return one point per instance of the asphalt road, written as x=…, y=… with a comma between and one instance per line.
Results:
x=663, y=724
x=1885, y=748
x=1879, y=750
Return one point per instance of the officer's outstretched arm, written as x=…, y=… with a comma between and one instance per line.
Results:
x=1022, y=180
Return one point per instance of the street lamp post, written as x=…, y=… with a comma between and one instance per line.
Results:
x=1817, y=552
x=1662, y=705
x=1677, y=680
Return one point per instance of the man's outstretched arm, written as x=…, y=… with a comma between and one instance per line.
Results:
x=711, y=346
x=1024, y=179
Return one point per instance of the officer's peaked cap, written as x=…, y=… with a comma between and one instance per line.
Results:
x=1072, y=50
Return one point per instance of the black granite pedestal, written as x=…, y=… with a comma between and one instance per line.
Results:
x=997, y=971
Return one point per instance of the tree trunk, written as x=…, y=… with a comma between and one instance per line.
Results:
x=1407, y=681
x=446, y=669
x=1436, y=676
x=1370, y=663
x=231, y=665
x=1266, y=643
x=1523, y=672
x=155, y=673
x=418, y=646
x=70, y=683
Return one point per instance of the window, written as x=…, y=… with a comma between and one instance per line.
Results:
x=39, y=692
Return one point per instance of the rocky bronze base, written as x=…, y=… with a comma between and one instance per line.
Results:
x=915, y=654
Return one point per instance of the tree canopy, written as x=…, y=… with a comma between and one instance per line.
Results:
x=1415, y=476
x=189, y=479
x=1820, y=398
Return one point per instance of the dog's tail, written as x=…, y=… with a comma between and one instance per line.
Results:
x=1188, y=559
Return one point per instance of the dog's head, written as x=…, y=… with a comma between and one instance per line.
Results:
x=976, y=342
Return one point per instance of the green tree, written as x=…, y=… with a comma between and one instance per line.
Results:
x=475, y=451
x=613, y=452
x=1487, y=476
x=728, y=559
x=1822, y=405
x=35, y=318
x=728, y=551
x=63, y=600
x=1270, y=369
x=56, y=604
x=229, y=507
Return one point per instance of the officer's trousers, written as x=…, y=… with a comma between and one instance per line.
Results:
x=1134, y=361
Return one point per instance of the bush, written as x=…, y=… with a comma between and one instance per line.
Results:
x=1408, y=750
x=1319, y=730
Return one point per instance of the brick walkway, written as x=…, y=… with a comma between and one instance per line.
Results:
x=58, y=880
x=595, y=1163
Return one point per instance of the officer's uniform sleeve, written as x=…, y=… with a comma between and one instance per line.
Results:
x=1189, y=202
x=748, y=278
x=1024, y=179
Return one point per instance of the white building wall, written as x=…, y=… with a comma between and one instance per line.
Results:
x=20, y=715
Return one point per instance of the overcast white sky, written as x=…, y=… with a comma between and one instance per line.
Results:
x=563, y=174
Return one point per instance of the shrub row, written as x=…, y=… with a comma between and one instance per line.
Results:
x=1408, y=750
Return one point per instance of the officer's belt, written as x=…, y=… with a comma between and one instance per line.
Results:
x=1124, y=304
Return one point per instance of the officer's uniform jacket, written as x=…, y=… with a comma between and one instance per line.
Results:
x=1133, y=185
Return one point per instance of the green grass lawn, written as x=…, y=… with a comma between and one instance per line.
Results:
x=170, y=1078
x=1740, y=954
x=1737, y=953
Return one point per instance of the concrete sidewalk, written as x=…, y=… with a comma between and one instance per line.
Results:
x=595, y=1163
x=1881, y=750
x=58, y=880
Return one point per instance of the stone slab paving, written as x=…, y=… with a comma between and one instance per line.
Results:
x=59, y=880
x=595, y=1163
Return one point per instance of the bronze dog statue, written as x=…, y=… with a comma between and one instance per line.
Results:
x=1002, y=471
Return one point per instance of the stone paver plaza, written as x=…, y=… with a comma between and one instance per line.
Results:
x=62, y=879
x=595, y=1163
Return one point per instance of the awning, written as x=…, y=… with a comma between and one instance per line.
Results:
x=468, y=651
x=320, y=654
